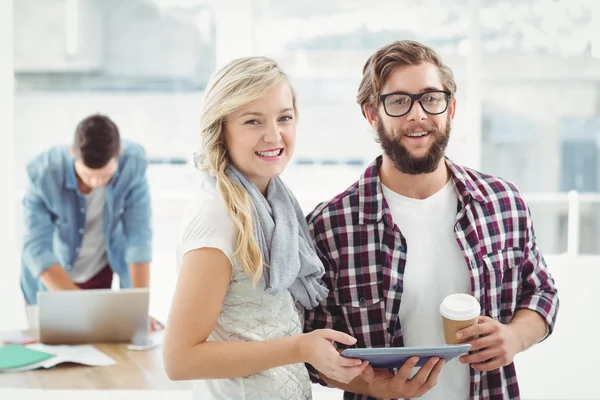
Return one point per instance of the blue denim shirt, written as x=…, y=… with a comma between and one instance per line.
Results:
x=55, y=210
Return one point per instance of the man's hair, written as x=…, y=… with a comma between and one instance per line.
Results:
x=97, y=141
x=384, y=61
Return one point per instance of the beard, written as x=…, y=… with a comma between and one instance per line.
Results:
x=403, y=160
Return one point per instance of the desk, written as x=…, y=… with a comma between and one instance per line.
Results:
x=134, y=370
x=137, y=375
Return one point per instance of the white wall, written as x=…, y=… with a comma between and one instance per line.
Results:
x=62, y=26
x=565, y=366
x=8, y=281
x=109, y=37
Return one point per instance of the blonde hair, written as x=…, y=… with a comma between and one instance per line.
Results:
x=235, y=85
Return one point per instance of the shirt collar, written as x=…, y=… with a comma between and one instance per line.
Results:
x=465, y=183
x=70, y=178
x=372, y=206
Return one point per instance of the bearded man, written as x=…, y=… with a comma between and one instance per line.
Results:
x=417, y=227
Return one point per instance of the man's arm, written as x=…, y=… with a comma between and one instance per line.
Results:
x=538, y=291
x=38, y=252
x=357, y=385
x=140, y=275
x=327, y=315
x=56, y=278
x=530, y=327
x=137, y=226
x=497, y=344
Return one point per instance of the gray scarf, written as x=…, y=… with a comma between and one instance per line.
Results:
x=289, y=257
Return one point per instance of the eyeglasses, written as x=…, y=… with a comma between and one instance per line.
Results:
x=397, y=104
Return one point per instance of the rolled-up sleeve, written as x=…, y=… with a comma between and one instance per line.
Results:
x=137, y=218
x=538, y=289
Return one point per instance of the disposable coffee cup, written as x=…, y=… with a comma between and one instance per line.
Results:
x=459, y=311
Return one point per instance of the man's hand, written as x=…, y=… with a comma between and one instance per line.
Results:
x=56, y=278
x=155, y=325
x=495, y=344
x=384, y=385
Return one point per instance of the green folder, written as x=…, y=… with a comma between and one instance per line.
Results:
x=17, y=356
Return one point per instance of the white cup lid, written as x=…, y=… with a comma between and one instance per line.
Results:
x=460, y=307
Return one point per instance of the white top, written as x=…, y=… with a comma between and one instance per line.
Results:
x=92, y=253
x=248, y=313
x=435, y=268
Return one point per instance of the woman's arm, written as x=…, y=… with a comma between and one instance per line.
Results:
x=201, y=287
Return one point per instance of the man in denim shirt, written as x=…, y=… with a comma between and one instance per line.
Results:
x=87, y=214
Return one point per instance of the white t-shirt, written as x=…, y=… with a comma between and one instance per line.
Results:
x=248, y=313
x=92, y=253
x=435, y=267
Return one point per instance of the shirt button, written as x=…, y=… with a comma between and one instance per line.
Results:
x=401, y=248
x=81, y=231
x=362, y=300
x=82, y=210
x=394, y=287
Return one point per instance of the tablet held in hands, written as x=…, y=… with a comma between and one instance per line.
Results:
x=395, y=357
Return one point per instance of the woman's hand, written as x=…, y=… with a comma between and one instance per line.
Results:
x=318, y=350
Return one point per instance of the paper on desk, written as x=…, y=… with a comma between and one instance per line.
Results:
x=80, y=354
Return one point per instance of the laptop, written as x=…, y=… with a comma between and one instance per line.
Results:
x=93, y=316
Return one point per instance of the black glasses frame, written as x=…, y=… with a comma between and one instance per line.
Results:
x=415, y=98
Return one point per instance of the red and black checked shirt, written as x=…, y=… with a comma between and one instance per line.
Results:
x=364, y=254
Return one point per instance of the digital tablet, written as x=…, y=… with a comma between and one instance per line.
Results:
x=395, y=357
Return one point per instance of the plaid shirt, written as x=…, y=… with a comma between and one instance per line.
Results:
x=364, y=255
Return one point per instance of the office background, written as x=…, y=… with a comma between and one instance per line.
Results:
x=528, y=74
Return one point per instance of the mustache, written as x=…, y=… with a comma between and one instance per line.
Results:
x=423, y=126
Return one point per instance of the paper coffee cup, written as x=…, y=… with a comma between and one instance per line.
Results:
x=458, y=311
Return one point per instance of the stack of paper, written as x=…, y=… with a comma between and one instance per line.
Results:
x=15, y=358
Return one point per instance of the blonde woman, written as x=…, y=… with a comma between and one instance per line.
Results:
x=247, y=265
